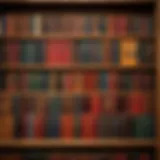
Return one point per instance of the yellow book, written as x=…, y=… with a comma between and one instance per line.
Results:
x=128, y=52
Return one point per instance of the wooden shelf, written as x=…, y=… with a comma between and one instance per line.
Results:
x=76, y=1
x=76, y=36
x=44, y=93
x=85, y=67
x=51, y=143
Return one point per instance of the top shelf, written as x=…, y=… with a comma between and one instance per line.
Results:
x=77, y=1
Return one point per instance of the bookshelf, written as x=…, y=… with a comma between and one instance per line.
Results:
x=27, y=143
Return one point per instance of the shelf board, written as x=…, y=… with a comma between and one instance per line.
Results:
x=75, y=36
x=43, y=93
x=51, y=143
x=76, y=1
x=85, y=67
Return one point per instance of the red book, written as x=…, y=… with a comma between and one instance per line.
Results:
x=59, y=52
x=121, y=25
x=67, y=125
x=111, y=23
x=96, y=103
x=120, y=156
x=39, y=125
x=113, y=81
x=90, y=81
x=88, y=125
x=68, y=81
x=66, y=52
x=137, y=103
x=13, y=51
x=145, y=156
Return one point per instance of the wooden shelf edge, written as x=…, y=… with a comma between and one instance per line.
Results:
x=75, y=67
x=76, y=143
x=76, y=36
x=76, y=1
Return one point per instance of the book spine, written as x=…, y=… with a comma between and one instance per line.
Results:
x=103, y=81
x=66, y=126
x=88, y=126
x=141, y=123
x=36, y=24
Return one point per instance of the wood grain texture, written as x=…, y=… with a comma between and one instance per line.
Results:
x=51, y=143
x=157, y=33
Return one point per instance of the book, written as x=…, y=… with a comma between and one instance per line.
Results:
x=52, y=126
x=28, y=52
x=102, y=24
x=13, y=52
x=59, y=52
x=77, y=103
x=90, y=81
x=29, y=117
x=134, y=25
x=141, y=123
x=36, y=24
x=86, y=104
x=96, y=103
x=88, y=126
x=120, y=156
x=121, y=25
x=103, y=81
x=111, y=25
x=128, y=52
x=125, y=82
x=17, y=115
x=67, y=126
x=113, y=81
x=38, y=81
x=17, y=24
x=114, y=51
x=137, y=103
x=146, y=52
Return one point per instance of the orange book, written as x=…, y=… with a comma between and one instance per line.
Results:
x=128, y=52
x=66, y=125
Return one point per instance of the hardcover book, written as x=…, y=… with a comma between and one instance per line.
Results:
x=129, y=52
x=36, y=24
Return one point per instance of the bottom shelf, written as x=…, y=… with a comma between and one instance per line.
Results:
x=59, y=143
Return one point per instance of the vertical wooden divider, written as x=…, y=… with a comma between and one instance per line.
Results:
x=157, y=34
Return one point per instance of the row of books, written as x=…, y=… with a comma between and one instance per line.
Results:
x=134, y=103
x=76, y=81
x=73, y=156
x=26, y=117
x=128, y=51
x=111, y=24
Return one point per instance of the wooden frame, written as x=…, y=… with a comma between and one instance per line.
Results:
x=94, y=143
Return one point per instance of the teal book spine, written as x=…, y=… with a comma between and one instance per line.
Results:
x=143, y=126
x=103, y=81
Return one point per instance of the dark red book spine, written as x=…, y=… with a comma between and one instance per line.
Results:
x=90, y=81
x=120, y=156
x=145, y=156
x=137, y=103
x=96, y=103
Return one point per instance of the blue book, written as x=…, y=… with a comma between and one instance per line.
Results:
x=53, y=119
x=28, y=52
x=115, y=51
x=103, y=80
